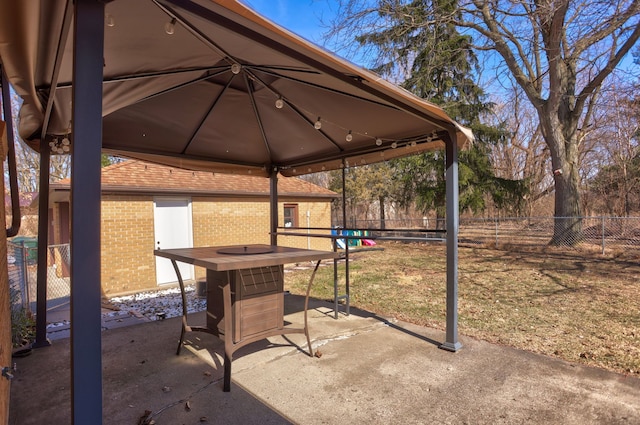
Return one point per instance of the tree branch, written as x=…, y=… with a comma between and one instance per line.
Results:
x=591, y=87
x=492, y=33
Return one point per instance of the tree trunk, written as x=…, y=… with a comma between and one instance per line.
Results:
x=560, y=136
x=440, y=219
x=567, y=229
x=382, y=216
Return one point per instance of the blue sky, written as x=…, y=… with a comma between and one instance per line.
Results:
x=304, y=17
x=307, y=18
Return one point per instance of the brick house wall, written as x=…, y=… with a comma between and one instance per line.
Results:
x=127, y=244
x=128, y=263
x=225, y=210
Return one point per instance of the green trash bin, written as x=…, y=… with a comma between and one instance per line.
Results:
x=30, y=245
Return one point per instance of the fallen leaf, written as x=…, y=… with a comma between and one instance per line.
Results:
x=203, y=419
x=187, y=406
x=207, y=373
x=318, y=353
x=166, y=389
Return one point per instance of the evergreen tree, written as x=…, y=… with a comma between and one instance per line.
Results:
x=440, y=66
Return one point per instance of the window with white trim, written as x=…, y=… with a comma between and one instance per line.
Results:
x=290, y=215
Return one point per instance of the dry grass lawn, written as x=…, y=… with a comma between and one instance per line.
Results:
x=584, y=309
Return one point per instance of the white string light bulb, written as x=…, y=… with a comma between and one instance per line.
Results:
x=318, y=124
x=349, y=136
x=170, y=27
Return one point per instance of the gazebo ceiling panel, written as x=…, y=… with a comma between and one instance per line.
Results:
x=227, y=90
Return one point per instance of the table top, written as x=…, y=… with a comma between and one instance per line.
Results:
x=211, y=258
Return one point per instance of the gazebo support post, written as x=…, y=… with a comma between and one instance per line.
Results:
x=86, y=345
x=273, y=205
x=347, y=291
x=43, y=240
x=452, y=216
x=336, y=293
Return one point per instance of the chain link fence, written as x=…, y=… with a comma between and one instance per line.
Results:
x=605, y=235
x=22, y=258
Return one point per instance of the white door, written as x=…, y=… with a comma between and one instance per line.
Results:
x=172, y=224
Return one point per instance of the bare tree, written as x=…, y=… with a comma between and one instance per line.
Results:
x=615, y=181
x=321, y=178
x=524, y=155
x=28, y=160
x=559, y=52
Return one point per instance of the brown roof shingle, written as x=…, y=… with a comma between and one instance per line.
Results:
x=138, y=176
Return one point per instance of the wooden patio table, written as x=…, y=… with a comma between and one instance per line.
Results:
x=245, y=292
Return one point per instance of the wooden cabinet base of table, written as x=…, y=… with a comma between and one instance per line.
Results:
x=257, y=301
x=252, y=301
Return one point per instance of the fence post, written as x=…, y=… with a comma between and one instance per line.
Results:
x=602, y=235
x=496, y=225
x=25, y=276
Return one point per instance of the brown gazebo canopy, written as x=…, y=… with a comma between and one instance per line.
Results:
x=226, y=91
x=205, y=85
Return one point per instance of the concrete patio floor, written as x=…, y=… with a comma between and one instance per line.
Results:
x=371, y=371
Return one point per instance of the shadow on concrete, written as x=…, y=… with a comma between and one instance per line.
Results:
x=295, y=303
x=372, y=370
x=141, y=374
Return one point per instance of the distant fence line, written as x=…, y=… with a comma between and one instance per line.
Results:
x=599, y=234
x=602, y=234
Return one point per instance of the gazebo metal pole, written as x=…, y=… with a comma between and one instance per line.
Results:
x=346, y=240
x=43, y=240
x=334, y=243
x=344, y=196
x=451, y=161
x=86, y=344
x=273, y=205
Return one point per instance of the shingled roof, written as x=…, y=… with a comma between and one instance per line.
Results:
x=143, y=177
